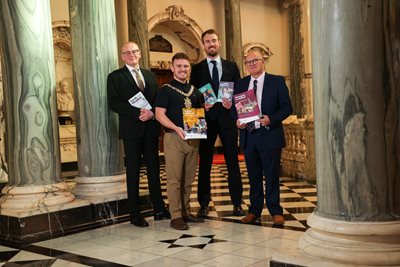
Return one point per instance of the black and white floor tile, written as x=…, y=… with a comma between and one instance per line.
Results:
x=220, y=241
x=298, y=198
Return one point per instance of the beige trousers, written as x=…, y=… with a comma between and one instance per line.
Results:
x=180, y=164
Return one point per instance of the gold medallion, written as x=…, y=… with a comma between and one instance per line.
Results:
x=188, y=103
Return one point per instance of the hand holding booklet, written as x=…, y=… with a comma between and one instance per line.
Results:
x=208, y=93
x=225, y=91
x=139, y=101
x=194, y=123
x=246, y=106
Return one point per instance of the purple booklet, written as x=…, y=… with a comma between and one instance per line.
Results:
x=246, y=106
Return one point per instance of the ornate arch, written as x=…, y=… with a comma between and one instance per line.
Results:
x=266, y=55
x=185, y=28
x=267, y=52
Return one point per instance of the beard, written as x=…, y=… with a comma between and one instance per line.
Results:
x=212, y=53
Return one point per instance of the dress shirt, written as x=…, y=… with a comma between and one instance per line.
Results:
x=130, y=68
x=211, y=66
x=260, y=86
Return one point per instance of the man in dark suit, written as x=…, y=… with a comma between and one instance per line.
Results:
x=219, y=122
x=138, y=129
x=262, y=141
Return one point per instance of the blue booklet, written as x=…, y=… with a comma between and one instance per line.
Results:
x=208, y=93
x=225, y=91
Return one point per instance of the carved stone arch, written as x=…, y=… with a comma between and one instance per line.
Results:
x=185, y=28
x=267, y=53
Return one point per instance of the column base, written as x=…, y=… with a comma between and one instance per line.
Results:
x=18, y=201
x=357, y=243
x=101, y=189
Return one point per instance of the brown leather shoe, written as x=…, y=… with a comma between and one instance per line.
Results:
x=249, y=218
x=179, y=224
x=278, y=220
x=192, y=219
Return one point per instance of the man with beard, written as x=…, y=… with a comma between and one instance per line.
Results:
x=219, y=122
x=180, y=154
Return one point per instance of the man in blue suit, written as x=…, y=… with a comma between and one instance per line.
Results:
x=212, y=70
x=138, y=129
x=263, y=140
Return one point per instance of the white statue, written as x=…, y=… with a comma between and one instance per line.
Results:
x=65, y=100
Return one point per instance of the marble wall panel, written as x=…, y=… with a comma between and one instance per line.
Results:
x=93, y=35
x=28, y=74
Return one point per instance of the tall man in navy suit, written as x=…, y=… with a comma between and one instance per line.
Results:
x=138, y=129
x=219, y=122
x=262, y=141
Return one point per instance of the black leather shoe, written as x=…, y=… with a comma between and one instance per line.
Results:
x=202, y=212
x=161, y=215
x=192, y=219
x=139, y=221
x=237, y=210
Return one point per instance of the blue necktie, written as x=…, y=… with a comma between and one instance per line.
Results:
x=215, y=77
x=251, y=126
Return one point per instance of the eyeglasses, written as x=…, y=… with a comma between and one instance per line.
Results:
x=252, y=62
x=131, y=52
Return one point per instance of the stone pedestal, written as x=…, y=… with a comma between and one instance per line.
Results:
x=101, y=189
x=363, y=243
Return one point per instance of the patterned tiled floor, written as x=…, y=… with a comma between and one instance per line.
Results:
x=220, y=241
x=298, y=198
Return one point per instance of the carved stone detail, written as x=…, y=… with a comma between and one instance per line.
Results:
x=185, y=28
x=298, y=157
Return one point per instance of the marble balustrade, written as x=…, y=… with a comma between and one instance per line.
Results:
x=298, y=158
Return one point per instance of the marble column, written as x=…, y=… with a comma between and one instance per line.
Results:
x=32, y=142
x=121, y=16
x=138, y=32
x=3, y=167
x=297, y=65
x=94, y=46
x=233, y=32
x=357, y=135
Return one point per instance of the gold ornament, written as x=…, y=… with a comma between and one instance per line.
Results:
x=187, y=102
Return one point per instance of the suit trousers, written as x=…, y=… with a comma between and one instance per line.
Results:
x=261, y=161
x=229, y=139
x=134, y=149
x=181, y=158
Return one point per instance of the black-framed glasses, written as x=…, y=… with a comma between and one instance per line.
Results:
x=131, y=52
x=252, y=62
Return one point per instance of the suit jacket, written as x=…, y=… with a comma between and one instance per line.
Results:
x=275, y=103
x=120, y=88
x=200, y=76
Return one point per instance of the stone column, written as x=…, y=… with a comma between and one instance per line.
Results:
x=233, y=33
x=138, y=32
x=94, y=47
x=3, y=174
x=297, y=65
x=32, y=141
x=356, y=92
x=121, y=16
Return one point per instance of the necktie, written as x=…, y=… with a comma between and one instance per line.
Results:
x=251, y=125
x=139, y=79
x=215, y=76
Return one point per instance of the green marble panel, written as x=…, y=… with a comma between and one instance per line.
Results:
x=94, y=46
x=29, y=83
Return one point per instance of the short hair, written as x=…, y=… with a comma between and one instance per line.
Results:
x=256, y=49
x=209, y=31
x=180, y=55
